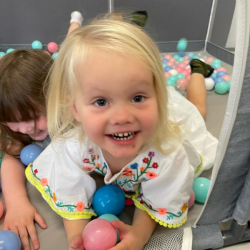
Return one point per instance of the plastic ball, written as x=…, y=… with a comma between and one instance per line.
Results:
x=209, y=59
x=30, y=153
x=181, y=59
x=164, y=60
x=9, y=240
x=176, y=57
x=182, y=44
x=180, y=75
x=173, y=60
x=209, y=82
x=2, y=54
x=183, y=82
x=54, y=55
x=186, y=72
x=111, y=217
x=168, y=56
x=179, y=69
x=220, y=73
x=182, y=65
x=167, y=74
x=166, y=69
x=180, y=88
x=9, y=50
x=129, y=202
x=186, y=57
x=191, y=199
x=36, y=45
x=222, y=69
x=99, y=234
x=108, y=199
x=219, y=79
x=221, y=88
x=226, y=78
x=171, y=64
x=170, y=82
x=52, y=47
x=190, y=54
x=201, y=187
x=181, y=53
x=196, y=57
x=173, y=72
x=173, y=78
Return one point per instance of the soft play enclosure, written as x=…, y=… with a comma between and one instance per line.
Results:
x=213, y=28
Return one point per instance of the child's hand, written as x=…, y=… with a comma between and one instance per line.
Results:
x=128, y=236
x=19, y=218
x=76, y=244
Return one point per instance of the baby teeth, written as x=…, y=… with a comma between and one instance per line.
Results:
x=123, y=136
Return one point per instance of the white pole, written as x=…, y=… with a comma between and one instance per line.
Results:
x=111, y=6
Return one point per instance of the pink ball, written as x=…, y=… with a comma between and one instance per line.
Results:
x=52, y=47
x=221, y=69
x=172, y=60
x=226, y=77
x=185, y=72
x=209, y=59
x=170, y=64
x=188, y=77
x=191, y=199
x=182, y=65
x=186, y=62
x=167, y=74
x=179, y=69
x=168, y=56
x=183, y=82
x=186, y=57
x=99, y=234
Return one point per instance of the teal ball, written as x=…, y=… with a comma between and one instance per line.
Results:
x=221, y=88
x=182, y=44
x=201, y=187
x=36, y=45
x=9, y=50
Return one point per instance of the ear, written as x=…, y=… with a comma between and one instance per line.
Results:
x=75, y=113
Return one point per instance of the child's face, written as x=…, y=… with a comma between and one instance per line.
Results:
x=116, y=104
x=29, y=128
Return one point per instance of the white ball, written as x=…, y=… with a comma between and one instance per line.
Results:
x=173, y=72
x=209, y=82
x=201, y=59
x=188, y=66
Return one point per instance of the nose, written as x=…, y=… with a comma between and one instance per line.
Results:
x=26, y=127
x=122, y=114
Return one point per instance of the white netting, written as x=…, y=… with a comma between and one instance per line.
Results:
x=171, y=240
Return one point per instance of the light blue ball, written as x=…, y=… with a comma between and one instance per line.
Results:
x=54, y=55
x=30, y=153
x=164, y=65
x=2, y=54
x=36, y=45
x=111, y=217
x=180, y=75
x=221, y=88
x=182, y=44
x=181, y=59
x=181, y=53
x=201, y=187
x=108, y=199
x=164, y=60
x=9, y=240
x=190, y=54
x=9, y=50
x=173, y=78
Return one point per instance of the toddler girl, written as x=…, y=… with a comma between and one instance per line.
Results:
x=109, y=111
x=22, y=121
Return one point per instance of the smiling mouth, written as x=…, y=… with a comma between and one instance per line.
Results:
x=123, y=136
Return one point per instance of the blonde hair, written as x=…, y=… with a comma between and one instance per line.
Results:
x=117, y=37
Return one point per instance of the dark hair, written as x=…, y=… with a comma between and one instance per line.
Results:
x=23, y=75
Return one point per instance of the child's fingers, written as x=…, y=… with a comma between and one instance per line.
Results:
x=23, y=234
x=40, y=221
x=33, y=236
x=77, y=244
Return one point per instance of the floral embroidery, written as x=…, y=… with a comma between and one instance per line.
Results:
x=44, y=182
x=162, y=211
x=155, y=165
x=95, y=166
x=151, y=175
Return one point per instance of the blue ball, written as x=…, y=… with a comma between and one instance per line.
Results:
x=181, y=53
x=219, y=79
x=166, y=69
x=30, y=153
x=200, y=187
x=111, y=217
x=9, y=240
x=9, y=50
x=108, y=199
x=36, y=45
x=164, y=60
x=182, y=44
x=220, y=73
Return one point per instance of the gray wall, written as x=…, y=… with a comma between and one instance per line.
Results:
x=23, y=21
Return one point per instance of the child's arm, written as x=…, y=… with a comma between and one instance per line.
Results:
x=135, y=236
x=20, y=215
x=75, y=22
x=74, y=229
